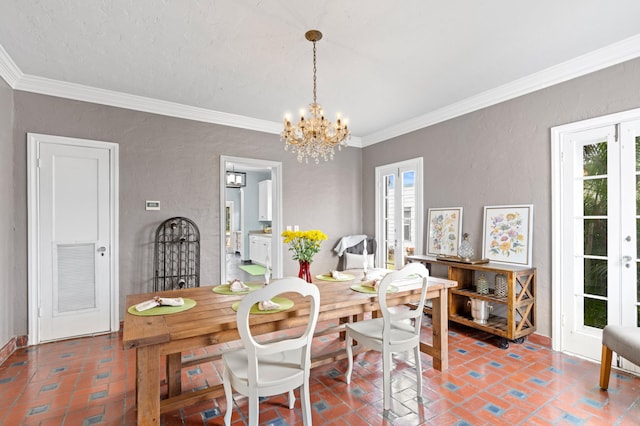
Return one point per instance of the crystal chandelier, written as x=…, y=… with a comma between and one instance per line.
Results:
x=314, y=136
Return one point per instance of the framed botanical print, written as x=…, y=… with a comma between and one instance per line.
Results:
x=508, y=233
x=445, y=227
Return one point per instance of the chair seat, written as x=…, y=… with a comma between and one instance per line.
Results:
x=401, y=331
x=625, y=341
x=274, y=369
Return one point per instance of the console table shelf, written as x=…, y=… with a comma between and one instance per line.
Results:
x=519, y=302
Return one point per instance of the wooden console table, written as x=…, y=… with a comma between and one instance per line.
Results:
x=520, y=299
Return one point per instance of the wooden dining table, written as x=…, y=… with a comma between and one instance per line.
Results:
x=213, y=321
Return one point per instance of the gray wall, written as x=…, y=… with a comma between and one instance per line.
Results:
x=177, y=162
x=502, y=155
x=7, y=287
x=498, y=155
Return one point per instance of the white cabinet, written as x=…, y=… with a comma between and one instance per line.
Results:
x=260, y=249
x=264, y=200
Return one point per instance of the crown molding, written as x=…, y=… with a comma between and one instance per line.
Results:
x=45, y=86
x=593, y=61
x=607, y=56
x=9, y=71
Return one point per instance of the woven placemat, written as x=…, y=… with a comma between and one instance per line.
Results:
x=164, y=310
x=370, y=290
x=282, y=301
x=224, y=289
x=328, y=277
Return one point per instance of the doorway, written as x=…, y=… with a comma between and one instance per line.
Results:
x=596, y=215
x=247, y=216
x=73, y=237
x=398, y=212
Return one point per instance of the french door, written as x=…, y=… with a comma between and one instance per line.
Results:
x=398, y=212
x=599, y=228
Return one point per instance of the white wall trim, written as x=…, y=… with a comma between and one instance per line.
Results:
x=9, y=71
x=593, y=61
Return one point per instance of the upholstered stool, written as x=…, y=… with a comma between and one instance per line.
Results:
x=625, y=341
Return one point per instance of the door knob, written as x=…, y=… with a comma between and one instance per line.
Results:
x=627, y=259
x=101, y=250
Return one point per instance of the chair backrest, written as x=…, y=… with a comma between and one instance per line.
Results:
x=417, y=270
x=275, y=288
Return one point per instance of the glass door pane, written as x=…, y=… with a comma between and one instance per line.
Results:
x=594, y=225
x=389, y=242
x=408, y=215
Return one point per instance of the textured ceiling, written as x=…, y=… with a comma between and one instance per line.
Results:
x=380, y=63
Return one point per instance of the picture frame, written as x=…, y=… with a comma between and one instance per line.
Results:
x=445, y=230
x=507, y=234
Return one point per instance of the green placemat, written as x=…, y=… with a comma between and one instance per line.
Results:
x=282, y=301
x=224, y=289
x=253, y=269
x=328, y=277
x=366, y=289
x=164, y=310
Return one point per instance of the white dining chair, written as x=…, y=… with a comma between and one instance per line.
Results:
x=266, y=369
x=397, y=331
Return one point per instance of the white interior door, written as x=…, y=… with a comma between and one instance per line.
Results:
x=72, y=212
x=599, y=217
x=398, y=212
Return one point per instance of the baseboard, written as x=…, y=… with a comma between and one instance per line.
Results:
x=10, y=347
x=539, y=339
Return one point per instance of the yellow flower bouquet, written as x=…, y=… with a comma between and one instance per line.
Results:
x=304, y=245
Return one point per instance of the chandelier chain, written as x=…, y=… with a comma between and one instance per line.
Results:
x=315, y=71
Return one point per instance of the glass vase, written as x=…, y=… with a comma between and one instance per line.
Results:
x=465, y=251
x=482, y=285
x=501, y=285
x=305, y=270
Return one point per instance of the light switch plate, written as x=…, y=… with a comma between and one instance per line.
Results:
x=152, y=205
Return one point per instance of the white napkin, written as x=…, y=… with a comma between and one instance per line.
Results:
x=158, y=301
x=337, y=275
x=176, y=301
x=147, y=305
x=371, y=283
x=268, y=305
x=237, y=285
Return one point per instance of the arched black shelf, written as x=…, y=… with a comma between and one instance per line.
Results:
x=176, y=255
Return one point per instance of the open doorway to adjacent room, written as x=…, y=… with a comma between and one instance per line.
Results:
x=251, y=212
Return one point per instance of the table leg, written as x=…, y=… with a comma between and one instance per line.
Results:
x=148, y=385
x=174, y=372
x=440, y=327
